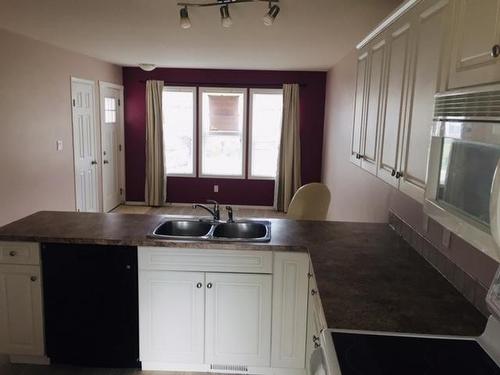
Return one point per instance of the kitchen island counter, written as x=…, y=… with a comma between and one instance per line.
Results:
x=368, y=277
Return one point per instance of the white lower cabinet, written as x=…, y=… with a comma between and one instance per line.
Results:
x=238, y=319
x=21, y=318
x=224, y=320
x=172, y=313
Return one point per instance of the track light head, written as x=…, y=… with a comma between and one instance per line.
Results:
x=271, y=15
x=185, y=21
x=225, y=18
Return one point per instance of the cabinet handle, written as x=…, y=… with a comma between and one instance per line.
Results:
x=393, y=173
x=93, y=162
x=314, y=292
x=495, y=50
x=199, y=285
x=399, y=174
x=33, y=278
x=12, y=253
x=106, y=162
x=209, y=285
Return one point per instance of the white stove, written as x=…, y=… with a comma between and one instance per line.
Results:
x=350, y=352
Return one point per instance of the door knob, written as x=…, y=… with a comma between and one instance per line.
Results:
x=495, y=50
x=209, y=285
x=199, y=285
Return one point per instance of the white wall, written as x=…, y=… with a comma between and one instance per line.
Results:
x=356, y=194
x=36, y=112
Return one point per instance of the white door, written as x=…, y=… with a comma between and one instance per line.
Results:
x=476, y=43
x=171, y=316
x=430, y=23
x=113, y=161
x=238, y=319
x=21, y=323
x=396, y=80
x=85, y=145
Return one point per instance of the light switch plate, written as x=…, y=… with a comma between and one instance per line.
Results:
x=216, y=188
x=59, y=145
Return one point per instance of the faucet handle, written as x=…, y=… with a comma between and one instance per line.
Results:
x=229, y=214
x=214, y=202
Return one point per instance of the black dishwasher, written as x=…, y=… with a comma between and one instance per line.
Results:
x=91, y=304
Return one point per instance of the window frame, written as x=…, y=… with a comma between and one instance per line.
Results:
x=193, y=90
x=234, y=90
x=250, y=129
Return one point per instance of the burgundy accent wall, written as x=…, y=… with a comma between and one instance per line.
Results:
x=232, y=191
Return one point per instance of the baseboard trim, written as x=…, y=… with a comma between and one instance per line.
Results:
x=30, y=359
x=134, y=203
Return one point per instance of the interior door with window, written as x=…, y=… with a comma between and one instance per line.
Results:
x=85, y=145
x=112, y=145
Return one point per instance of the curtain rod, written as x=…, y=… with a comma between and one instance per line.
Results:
x=224, y=84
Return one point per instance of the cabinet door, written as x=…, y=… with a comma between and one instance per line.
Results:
x=431, y=20
x=21, y=320
x=391, y=129
x=374, y=106
x=238, y=319
x=477, y=31
x=359, y=108
x=171, y=316
x=290, y=286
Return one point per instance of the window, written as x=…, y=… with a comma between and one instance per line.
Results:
x=179, y=130
x=222, y=132
x=265, y=132
x=109, y=110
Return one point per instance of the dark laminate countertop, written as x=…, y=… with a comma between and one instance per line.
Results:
x=367, y=276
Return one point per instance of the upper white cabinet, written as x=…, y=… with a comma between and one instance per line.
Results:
x=391, y=129
x=476, y=43
x=402, y=74
x=359, y=108
x=430, y=24
x=375, y=99
x=238, y=319
x=21, y=316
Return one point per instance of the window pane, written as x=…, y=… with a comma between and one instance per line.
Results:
x=178, y=126
x=109, y=110
x=266, y=132
x=222, y=133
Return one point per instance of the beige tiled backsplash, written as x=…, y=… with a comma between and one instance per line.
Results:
x=465, y=284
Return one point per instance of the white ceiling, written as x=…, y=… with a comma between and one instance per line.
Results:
x=307, y=35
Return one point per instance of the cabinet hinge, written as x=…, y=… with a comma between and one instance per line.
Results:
x=119, y=147
x=119, y=102
x=74, y=102
x=121, y=191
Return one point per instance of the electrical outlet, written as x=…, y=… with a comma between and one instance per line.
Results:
x=59, y=145
x=216, y=188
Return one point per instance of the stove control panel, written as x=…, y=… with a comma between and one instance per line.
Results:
x=493, y=298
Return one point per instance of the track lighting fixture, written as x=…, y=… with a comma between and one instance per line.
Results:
x=185, y=21
x=223, y=5
x=225, y=18
x=271, y=15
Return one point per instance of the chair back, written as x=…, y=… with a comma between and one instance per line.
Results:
x=310, y=202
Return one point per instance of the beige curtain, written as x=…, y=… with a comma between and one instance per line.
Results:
x=156, y=183
x=288, y=176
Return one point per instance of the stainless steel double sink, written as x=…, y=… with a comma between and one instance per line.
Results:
x=196, y=230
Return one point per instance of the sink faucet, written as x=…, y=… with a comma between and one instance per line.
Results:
x=215, y=212
x=229, y=214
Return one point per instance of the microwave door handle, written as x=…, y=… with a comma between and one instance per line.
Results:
x=495, y=207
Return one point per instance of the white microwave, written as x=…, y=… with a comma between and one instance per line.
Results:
x=463, y=174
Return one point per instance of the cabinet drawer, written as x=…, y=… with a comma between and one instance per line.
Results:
x=19, y=253
x=244, y=261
